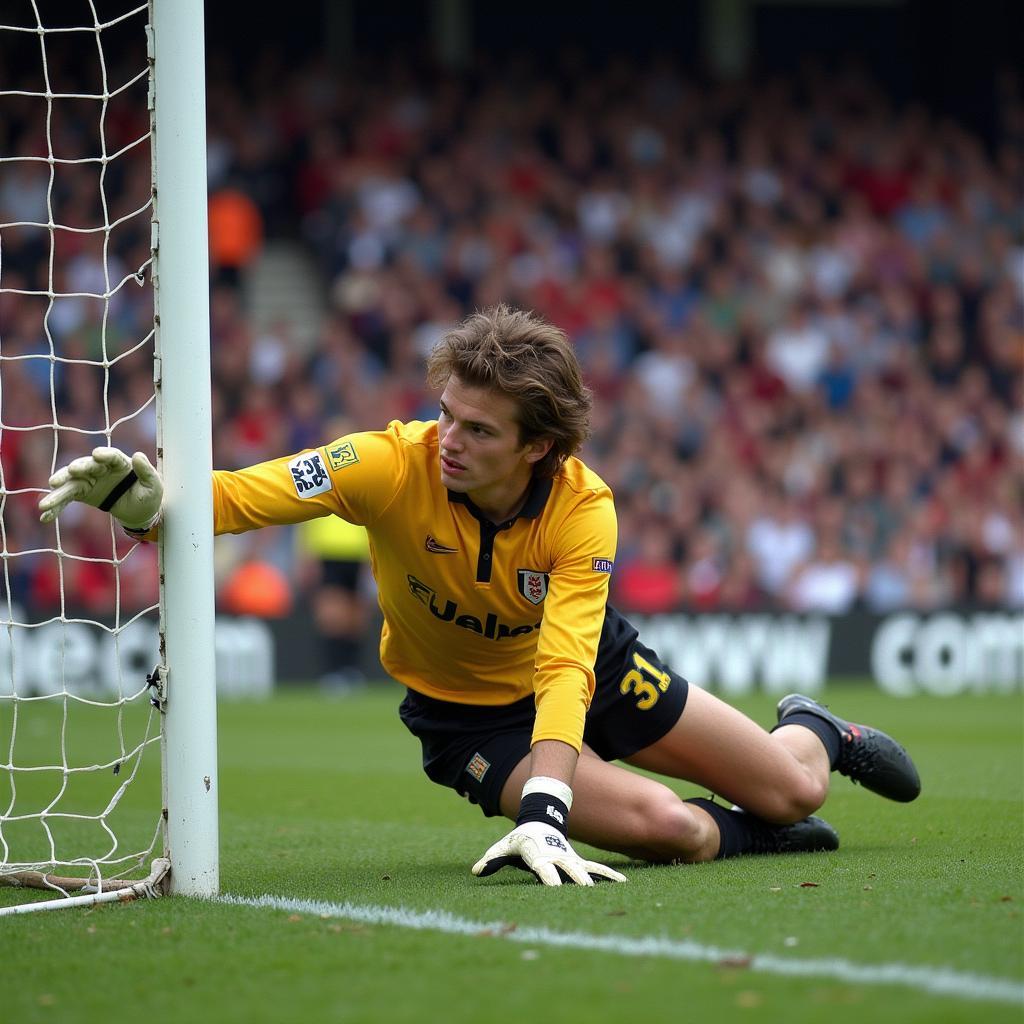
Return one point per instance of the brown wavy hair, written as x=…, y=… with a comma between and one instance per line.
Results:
x=533, y=363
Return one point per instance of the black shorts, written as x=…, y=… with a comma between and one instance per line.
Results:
x=473, y=749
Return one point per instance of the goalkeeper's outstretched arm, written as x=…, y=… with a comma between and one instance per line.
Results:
x=129, y=489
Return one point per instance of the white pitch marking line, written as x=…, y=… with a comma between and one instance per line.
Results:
x=942, y=981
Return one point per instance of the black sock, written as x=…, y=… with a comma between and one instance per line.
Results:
x=738, y=830
x=823, y=729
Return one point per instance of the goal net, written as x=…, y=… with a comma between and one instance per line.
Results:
x=83, y=645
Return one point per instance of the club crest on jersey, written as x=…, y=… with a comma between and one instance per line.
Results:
x=341, y=454
x=533, y=585
x=309, y=475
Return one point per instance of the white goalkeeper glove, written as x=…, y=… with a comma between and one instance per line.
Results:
x=129, y=489
x=538, y=843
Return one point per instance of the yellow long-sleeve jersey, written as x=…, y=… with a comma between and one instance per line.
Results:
x=475, y=612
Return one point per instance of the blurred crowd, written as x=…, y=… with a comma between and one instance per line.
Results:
x=799, y=305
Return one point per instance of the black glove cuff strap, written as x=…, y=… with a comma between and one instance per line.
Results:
x=546, y=808
x=111, y=499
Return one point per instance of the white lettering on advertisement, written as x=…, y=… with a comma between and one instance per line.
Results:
x=83, y=658
x=948, y=653
x=736, y=654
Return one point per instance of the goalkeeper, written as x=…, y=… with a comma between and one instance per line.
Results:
x=492, y=546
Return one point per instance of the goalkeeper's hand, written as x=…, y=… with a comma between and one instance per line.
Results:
x=129, y=489
x=541, y=848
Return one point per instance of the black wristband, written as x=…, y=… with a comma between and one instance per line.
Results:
x=546, y=808
x=111, y=499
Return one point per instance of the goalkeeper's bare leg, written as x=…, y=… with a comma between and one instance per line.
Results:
x=780, y=776
x=619, y=810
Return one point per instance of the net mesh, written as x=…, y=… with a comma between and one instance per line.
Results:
x=79, y=729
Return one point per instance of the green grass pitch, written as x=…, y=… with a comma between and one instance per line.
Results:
x=322, y=799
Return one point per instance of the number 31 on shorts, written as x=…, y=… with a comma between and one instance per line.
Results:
x=647, y=681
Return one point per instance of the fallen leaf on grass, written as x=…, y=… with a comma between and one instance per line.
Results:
x=294, y=917
x=622, y=913
x=748, y=1000
x=735, y=962
x=808, y=885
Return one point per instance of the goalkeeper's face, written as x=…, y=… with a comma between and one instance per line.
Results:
x=481, y=451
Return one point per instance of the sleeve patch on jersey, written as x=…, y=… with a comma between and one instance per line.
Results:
x=603, y=565
x=309, y=475
x=341, y=454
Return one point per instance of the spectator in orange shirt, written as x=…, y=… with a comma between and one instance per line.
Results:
x=236, y=234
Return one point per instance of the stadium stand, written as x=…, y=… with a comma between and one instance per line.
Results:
x=800, y=305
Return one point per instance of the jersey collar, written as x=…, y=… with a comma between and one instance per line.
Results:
x=536, y=499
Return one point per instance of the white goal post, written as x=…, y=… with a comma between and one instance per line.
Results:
x=64, y=738
x=183, y=388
